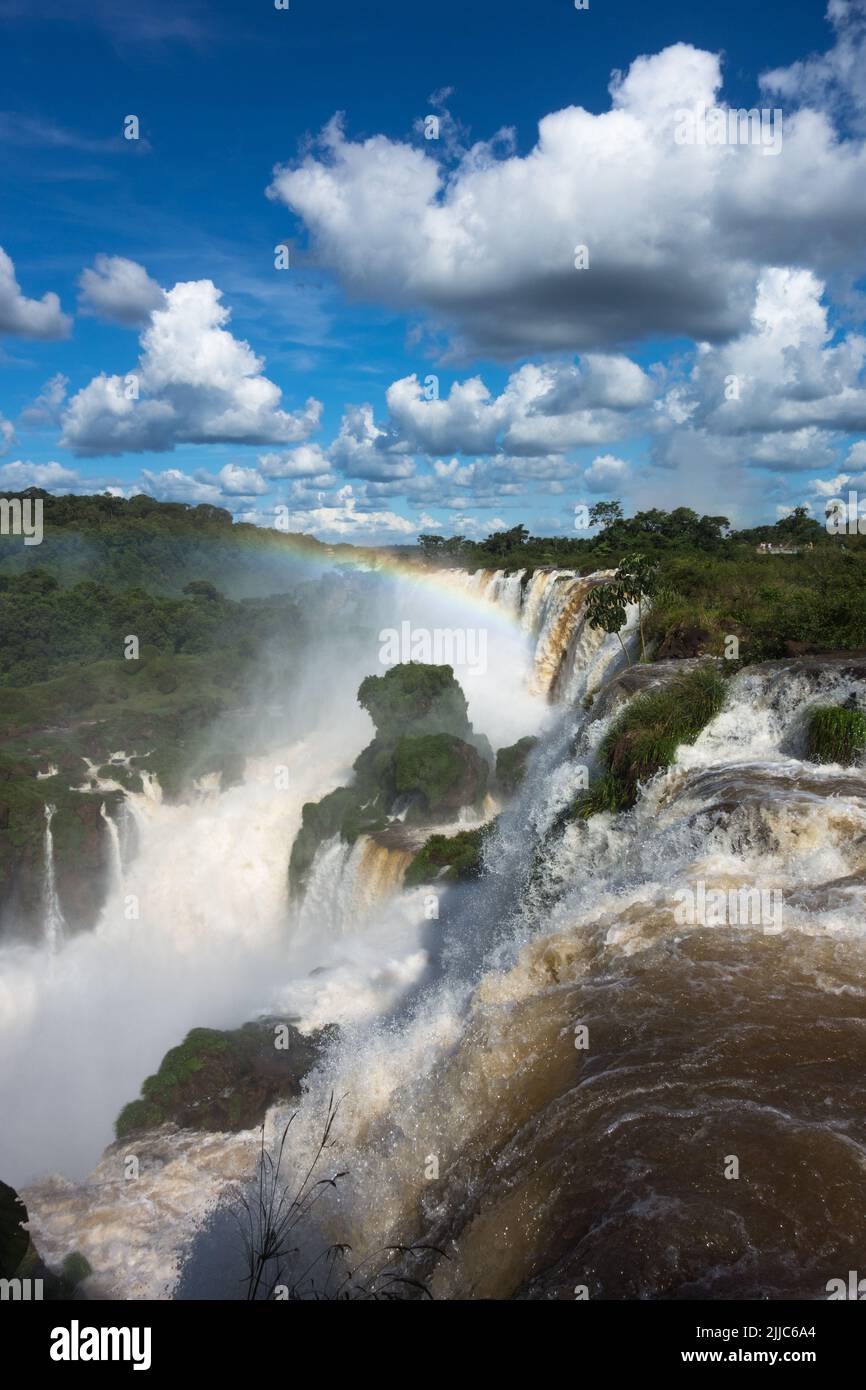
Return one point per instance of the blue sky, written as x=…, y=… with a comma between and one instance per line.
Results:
x=709, y=354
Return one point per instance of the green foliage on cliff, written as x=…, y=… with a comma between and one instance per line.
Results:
x=217, y=1080
x=449, y=858
x=645, y=737
x=422, y=749
x=445, y=771
x=415, y=698
x=711, y=583
x=511, y=764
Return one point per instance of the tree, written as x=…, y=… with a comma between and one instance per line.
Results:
x=637, y=579
x=605, y=609
x=604, y=514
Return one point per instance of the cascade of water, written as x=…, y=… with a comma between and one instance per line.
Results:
x=116, y=881
x=55, y=924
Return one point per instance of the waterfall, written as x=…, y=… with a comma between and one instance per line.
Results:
x=116, y=878
x=55, y=924
x=548, y=606
x=589, y=1160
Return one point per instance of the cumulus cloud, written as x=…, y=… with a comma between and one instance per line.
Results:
x=606, y=474
x=19, y=475
x=345, y=516
x=783, y=393
x=28, y=318
x=173, y=485
x=47, y=408
x=194, y=384
x=305, y=461
x=235, y=481
x=120, y=291
x=488, y=249
x=833, y=79
x=363, y=450
x=543, y=408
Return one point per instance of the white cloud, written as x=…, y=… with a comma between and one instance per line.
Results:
x=173, y=485
x=28, y=318
x=46, y=409
x=20, y=475
x=606, y=474
x=120, y=291
x=343, y=518
x=305, y=461
x=197, y=384
x=7, y=434
x=488, y=250
x=782, y=394
x=235, y=481
x=363, y=450
x=833, y=79
x=543, y=408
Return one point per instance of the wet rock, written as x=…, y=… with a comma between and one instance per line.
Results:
x=687, y=640
x=225, y=1081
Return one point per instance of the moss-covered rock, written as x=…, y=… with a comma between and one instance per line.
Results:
x=414, y=698
x=645, y=737
x=444, y=772
x=224, y=1081
x=449, y=858
x=511, y=764
x=346, y=811
x=424, y=749
x=836, y=734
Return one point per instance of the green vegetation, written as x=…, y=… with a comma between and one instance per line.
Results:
x=424, y=748
x=121, y=543
x=415, y=698
x=49, y=632
x=644, y=738
x=775, y=605
x=446, y=772
x=836, y=734
x=635, y=581
x=709, y=582
x=511, y=764
x=449, y=858
x=72, y=687
x=223, y=1081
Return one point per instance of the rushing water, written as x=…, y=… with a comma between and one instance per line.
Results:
x=55, y=926
x=560, y=1081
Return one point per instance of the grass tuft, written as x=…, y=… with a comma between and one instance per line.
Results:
x=836, y=734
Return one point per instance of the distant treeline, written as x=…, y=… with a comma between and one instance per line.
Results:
x=157, y=546
x=654, y=532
